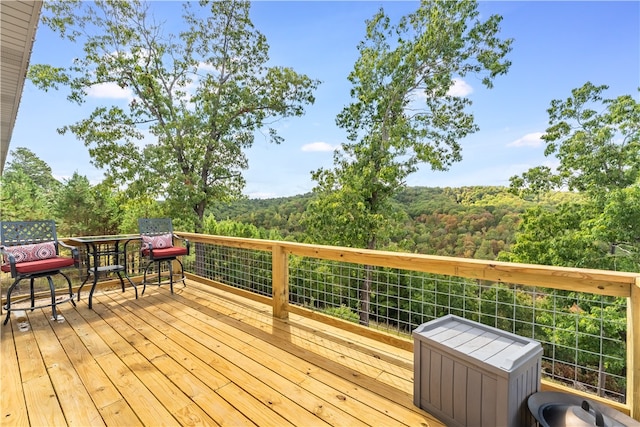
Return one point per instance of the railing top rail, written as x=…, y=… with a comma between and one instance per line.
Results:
x=602, y=282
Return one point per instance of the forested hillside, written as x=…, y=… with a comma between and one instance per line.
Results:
x=472, y=222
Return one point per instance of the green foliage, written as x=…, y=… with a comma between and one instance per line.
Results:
x=27, y=188
x=475, y=222
x=597, y=144
x=346, y=218
x=619, y=224
x=24, y=160
x=402, y=115
x=578, y=328
x=557, y=237
x=342, y=312
x=85, y=210
x=238, y=229
x=141, y=207
x=596, y=141
x=282, y=214
x=196, y=97
x=21, y=199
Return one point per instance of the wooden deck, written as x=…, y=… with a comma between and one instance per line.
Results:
x=199, y=357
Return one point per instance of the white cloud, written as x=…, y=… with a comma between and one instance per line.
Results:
x=206, y=67
x=417, y=95
x=109, y=90
x=459, y=88
x=529, y=140
x=261, y=195
x=318, y=146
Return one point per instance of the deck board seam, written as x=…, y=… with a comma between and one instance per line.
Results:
x=168, y=330
x=407, y=398
x=154, y=310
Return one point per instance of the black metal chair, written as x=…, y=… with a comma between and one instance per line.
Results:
x=158, y=247
x=30, y=250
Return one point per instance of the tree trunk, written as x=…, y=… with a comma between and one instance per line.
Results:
x=365, y=288
x=199, y=266
x=365, y=295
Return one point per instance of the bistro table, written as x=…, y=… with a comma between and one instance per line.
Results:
x=108, y=249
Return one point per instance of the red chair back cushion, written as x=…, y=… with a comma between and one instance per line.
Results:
x=157, y=242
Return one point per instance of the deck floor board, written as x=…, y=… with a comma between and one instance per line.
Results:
x=201, y=356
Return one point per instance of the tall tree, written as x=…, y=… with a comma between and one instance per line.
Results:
x=597, y=144
x=21, y=199
x=403, y=114
x=28, y=187
x=198, y=96
x=76, y=207
x=25, y=160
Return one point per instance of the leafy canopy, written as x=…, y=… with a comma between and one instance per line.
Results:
x=597, y=144
x=195, y=98
x=403, y=113
x=27, y=187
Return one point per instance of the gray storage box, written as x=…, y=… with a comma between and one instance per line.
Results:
x=469, y=374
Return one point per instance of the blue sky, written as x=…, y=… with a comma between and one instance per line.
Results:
x=558, y=46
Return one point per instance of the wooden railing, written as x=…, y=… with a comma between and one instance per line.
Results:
x=597, y=282
x=587, y=281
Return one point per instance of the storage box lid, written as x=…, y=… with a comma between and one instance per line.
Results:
x=489, y=345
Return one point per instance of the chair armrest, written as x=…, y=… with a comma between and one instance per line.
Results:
x=133, y=239
x=12, y=260
x=74, y=253
x=187, y=243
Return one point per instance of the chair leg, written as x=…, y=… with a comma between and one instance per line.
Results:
x=8, y=304
x=144, y=277
x=157, y=264
x=184, y=280
x=70, y=287
x=159, y=268
x=170, y=275
x=86, y=279
x=121, y=280
x=53, y=298
x=32, y=293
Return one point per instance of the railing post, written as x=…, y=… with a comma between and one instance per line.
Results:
x=280, y=282
x=633, y=350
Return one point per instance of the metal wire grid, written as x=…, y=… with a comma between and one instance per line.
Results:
x=241, y=268
x=583, y=335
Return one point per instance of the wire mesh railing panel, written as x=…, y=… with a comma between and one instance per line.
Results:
x=582, y=335
x=246, y=269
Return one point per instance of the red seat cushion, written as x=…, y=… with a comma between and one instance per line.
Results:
x=167, y=252
x=49, y=264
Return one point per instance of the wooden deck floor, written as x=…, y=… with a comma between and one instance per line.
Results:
x=198, y=357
